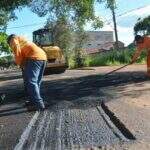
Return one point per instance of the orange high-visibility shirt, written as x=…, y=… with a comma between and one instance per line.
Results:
x=140, y=46
x=145, y=44
x=24, y=50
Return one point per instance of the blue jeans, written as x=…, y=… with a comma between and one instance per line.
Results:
x=32, y=74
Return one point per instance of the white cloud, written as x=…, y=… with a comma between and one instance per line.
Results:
x=107, y=28
x=124, y=29
x=125, y=34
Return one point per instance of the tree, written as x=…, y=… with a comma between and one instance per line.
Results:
x=79, y=54
x=62, y=34
x=7, y=8
x=75, y=12
x=11, y=5
x=142, y=26
x=5, y=17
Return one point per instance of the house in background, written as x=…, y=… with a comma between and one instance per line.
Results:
x=98, y=41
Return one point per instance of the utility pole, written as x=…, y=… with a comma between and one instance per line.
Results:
x=115, y=27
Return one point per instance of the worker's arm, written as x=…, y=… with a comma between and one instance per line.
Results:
x=137, y=53
x=17, y=51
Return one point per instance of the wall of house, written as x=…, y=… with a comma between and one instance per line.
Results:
x=95, y=39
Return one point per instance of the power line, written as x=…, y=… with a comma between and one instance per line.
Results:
x=107, y=21
x=132, y=10
x=27, y=25
x=122, y=14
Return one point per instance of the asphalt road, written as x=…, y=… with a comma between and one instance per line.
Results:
x=74, y=119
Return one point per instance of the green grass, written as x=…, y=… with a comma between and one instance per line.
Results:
x=113, y=58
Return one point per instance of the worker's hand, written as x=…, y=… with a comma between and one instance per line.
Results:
x=132, y=61
x=22, y=65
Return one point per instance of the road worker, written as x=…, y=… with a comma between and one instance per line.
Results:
x=142, y=42
x=32, y=60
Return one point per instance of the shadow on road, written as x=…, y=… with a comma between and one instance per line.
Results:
x=10, y=78
x=13, y=112
x=87, y=89
x=82, y=92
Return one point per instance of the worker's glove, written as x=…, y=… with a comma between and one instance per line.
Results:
x=22, y=67
x=131, y=62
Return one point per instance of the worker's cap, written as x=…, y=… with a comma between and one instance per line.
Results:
x=10, y=37
x=137, y=38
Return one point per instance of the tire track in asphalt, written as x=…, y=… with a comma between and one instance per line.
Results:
x=26, y=132
x=58, y=131
x=67, y=140
x=39, y=132
x=62, y=128
x=43, y=142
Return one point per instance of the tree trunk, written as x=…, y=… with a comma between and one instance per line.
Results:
x=115, y=28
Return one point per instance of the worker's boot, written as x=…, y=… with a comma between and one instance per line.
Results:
x=28, y=103
x=40, y=106
x=30, y=106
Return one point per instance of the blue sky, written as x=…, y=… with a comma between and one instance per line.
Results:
x=125, y=22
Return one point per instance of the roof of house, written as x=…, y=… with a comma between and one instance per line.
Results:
x=103, y=47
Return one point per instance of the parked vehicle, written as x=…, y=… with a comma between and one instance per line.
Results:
x=56, y=60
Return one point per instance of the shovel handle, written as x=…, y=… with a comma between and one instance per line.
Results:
x=115, y=70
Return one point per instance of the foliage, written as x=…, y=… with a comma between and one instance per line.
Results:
x=11, y=5
x=142, y=26
x=79, y=55
x=67, y=17
x=97, y=23
x=111, y=4
x=61, y=31
x=4, y=48
x=5, y=16
x=7, y=8
x=6, y=62
x=131, y=46
x=77, y=11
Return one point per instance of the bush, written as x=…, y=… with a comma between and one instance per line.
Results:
x=114, y=57
x=6, y=62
